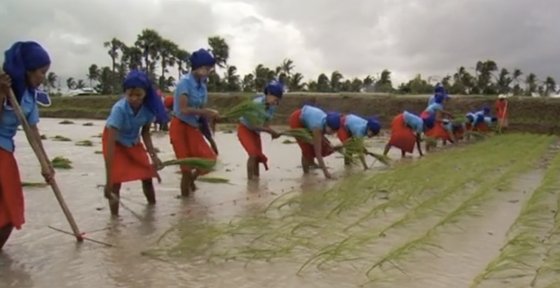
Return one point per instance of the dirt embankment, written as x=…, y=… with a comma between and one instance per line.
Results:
x=539, y=115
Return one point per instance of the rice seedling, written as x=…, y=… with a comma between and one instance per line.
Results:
x=34, y=184
x=213, y=180
x=194, y=163
x=85, y=143
x=43, y=137
x=66, y=122
x=300, y=134
x=98, y=152
x=532, y=235
x=60, y=162
x=87, y=124
x=475, y=135
x=61, y=138
x=253, y=112
x=288, y=141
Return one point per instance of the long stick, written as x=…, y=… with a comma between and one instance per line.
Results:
x=85, y=238
x=44, y=161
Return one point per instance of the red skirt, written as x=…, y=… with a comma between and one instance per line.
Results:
x=11, y=193
x=251, y=142
x=307, y=149
x=481, y=127
x=129, y=163
x=438, y=131
x=402, y=136
x=187, y=142
x=343, y=133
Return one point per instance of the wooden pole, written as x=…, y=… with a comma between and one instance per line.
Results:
x=44, y=161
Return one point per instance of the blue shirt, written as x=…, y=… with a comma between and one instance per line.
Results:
x=356, y=125
x=9, y=121
x=313, y=118
x=475, y=115
x=127, y=124
x=268, y=116
x=488, y=120
x=197, y=93
x=415, y=122
x=432, y=100
x=448, y=125
x=433, y=108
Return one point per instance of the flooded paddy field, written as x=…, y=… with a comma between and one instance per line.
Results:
x=482, y=214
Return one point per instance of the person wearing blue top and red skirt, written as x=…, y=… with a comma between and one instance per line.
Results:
x=126, y=159
x=318, y=123
x=353, y=126
x=25, y=65
x=185, y=133
x=406, y=129
x=249, y=133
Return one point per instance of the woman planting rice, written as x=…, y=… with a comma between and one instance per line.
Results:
x=357, y=127
x=185, y=130
x=125, y=156
x=25, y=65
x=319, y=123
x=248, y=133
x=501, y=111
x=438, y=131
x=406, y=129
x=438, y=90
x=479, y=122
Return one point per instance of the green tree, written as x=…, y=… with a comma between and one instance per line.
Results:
x=105, y=81
x=182, y=59
x=550, y=86
x=93, y=74
x=416, y=86
x=323, y=84
x=504, y=81
x=517, y=88
x=296, y=83
x=50, y=81
x=384, y=84
x=80, y=84
x=336, y=77
x=71, y=83
x=232, y=79
x=149, y=42
x=220, y=50
x=167, y=55
x=356, y=85
x=530, y=84
x=484, y=81
x=132, y=56
x=313, y=86
x=248, y=83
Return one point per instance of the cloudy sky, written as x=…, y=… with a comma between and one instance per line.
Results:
x=356, y=37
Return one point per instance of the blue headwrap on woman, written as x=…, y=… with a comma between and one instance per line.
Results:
x=139, y=79
x=201, y=58
x=275, y=88
x=20, y=58
x=333, y=120
x=486, y=110
x=373, y=125
x=439, y=98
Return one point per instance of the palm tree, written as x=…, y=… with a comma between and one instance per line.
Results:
x=232, y=79
x=115, y=45
x=248, y=83
x=51, y=81
x=550, y=86
x=517, y=88
x=182, y=59
x=323, y=83
x=81, y=84
x=132, y=56
x=295, y=82
x=504, y=81
x=167, y=53
x=149, y=42
x=335, y=81
x=531, y=84
x=93, y=74
x=71, y=83
x=220, y=49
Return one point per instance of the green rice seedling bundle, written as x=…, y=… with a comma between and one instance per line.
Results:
x=87, y=124
x=213, y=180
x=194, y=162
x=84, y=143
x=300, y=134
x=43, y=137
x=60, y=162
x=253, y=112
x=33, y=184
x=475, y=135
x=66, y=122
x=61, y=138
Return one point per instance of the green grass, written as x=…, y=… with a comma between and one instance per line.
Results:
x=61, y=138
x=66, y=122
x=85, y=143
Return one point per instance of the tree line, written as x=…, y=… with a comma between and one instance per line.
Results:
x=165, y=62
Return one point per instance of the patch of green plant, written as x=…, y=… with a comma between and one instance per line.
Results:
x=87, y=124
x=533, y=236
x=60, y=162
x=85, y=143
x=61, y=138
x=66, y=122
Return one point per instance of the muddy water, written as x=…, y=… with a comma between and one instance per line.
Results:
x=37, y=256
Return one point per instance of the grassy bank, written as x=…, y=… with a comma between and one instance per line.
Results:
x=538, y=115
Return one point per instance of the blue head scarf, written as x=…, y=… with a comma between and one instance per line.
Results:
x=373, y=125
x=139, y=79
x=479, y=118
x=333, y=120
x=275, y=88
x=20, y=58
x=486, y=110
x=439, y=98
x=201, y=58
x=429, y=122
